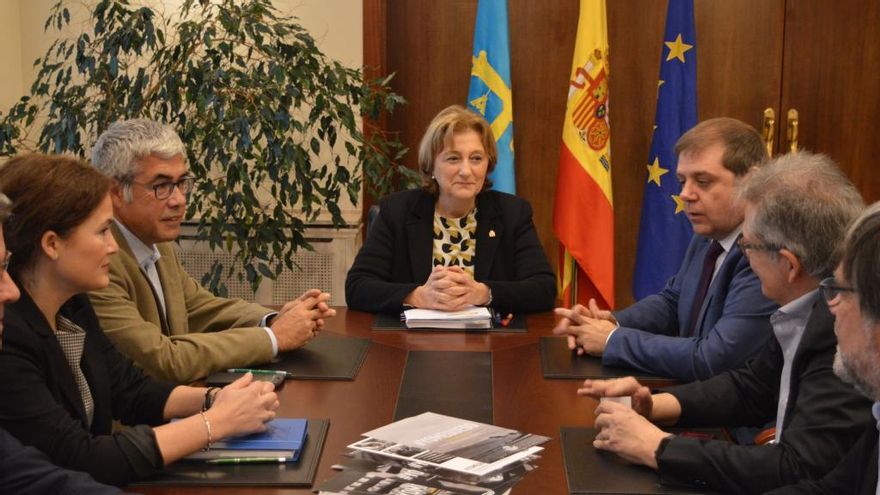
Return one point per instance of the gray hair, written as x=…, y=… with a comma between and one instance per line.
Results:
x=861, y=261
x=803, y=203
x=119, y=149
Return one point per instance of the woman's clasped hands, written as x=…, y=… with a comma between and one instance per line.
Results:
x=449, y=288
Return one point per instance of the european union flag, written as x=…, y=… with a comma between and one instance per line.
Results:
x=664, y=232
x=490, y=92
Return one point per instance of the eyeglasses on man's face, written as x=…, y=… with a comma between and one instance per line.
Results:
x=4, y=265
x=756, y=246
x=164, y=190
x=830, y=289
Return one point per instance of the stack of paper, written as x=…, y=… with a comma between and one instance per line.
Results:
x=473, y=317
x=432, y=453
x=281, y=442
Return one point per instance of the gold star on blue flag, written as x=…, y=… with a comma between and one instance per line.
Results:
x=490, y=92
x=664, y=231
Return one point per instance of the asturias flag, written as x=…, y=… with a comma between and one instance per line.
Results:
x=664, y=232
x=490, y=92
x=583, y=216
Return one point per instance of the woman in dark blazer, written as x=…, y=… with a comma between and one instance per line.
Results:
x=64, y=382
x=453, y=243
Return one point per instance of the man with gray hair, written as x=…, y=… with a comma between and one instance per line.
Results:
x=796, y=212
x=153, y=311
x=853, y=294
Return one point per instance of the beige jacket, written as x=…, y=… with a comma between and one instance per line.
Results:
x=204, y=333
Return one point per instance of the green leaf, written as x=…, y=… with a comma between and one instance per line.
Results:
x=260, y=108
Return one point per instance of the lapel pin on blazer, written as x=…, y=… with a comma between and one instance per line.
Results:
x=491, y=233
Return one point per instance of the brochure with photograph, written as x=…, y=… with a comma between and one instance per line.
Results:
x=451, y=443
x=365, y=474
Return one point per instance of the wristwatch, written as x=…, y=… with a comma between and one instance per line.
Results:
x=209, y=398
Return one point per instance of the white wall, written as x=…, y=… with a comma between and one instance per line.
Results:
x=11, y=87
x=336, y=25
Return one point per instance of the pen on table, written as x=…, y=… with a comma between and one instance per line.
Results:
x=506, y=320
x=261, y=372
x=249, y=460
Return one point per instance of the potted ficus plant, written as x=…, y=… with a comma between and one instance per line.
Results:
x=277, y=133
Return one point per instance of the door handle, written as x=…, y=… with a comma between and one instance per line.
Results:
x=793, y=130
x=768, y=129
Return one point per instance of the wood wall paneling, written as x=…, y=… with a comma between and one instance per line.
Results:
x=635, y=32
x=741, y=45
x=832, y=58
x=541, y=45
x=739, y=58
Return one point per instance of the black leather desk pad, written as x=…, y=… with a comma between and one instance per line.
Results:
x=300, y=473
x=385, y=321
x=326, y=357
x=591, y=471
x=558, y=361
x=454, y=383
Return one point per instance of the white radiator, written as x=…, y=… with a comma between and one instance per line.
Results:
x=324, y=268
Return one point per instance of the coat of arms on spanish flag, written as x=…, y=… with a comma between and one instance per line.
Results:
x=583, y=215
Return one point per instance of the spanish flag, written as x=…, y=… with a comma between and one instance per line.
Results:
x=583, y=215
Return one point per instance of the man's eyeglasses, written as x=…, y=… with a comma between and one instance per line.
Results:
x=5, y=264
x=830, y=289
x=166, y=189
x=754, y=246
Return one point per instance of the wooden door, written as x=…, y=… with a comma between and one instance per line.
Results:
x=830, y=76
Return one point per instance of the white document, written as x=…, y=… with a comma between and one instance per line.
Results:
x=473, y=317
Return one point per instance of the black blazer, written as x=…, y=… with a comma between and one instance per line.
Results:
x=27, y=470
x=856, y=474
x=823, y=419
x=40, y=402
x=396, y=257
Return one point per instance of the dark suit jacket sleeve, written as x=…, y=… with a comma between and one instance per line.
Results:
x=521, y=279
x=824, y=418
x=376, y=281
x=648, y=338
x=855, y=474
x=27, y=470
x=658, y=313
x=137, y=399
x=33, y=411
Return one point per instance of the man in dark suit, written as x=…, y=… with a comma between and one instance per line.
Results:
x=26, y=470
x=796, y=212
x=853, y=295
x=711, y=316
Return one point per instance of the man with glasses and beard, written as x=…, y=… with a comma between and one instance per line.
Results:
x=853, y=296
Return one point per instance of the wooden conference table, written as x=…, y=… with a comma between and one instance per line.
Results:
x=523, y=399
